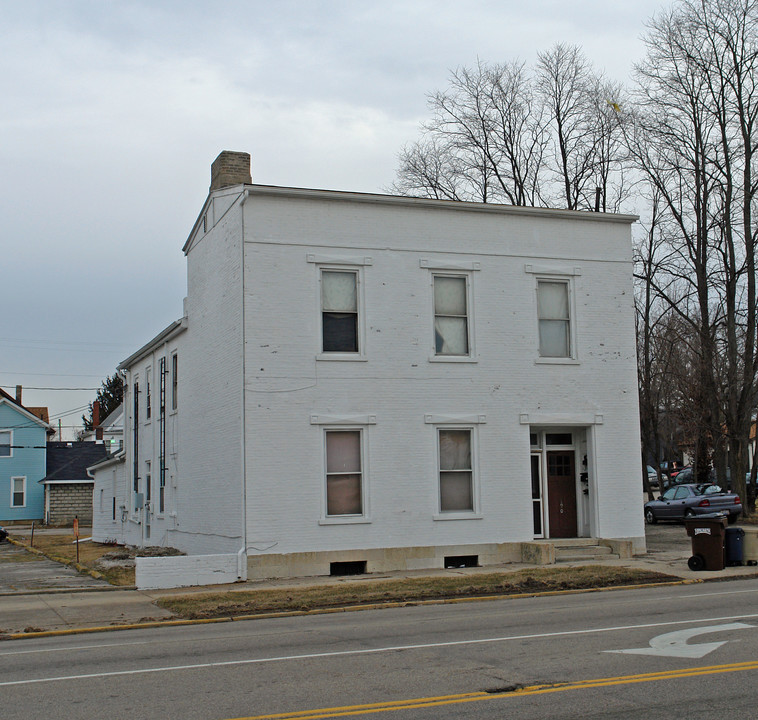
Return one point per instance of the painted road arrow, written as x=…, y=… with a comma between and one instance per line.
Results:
x=674, y=644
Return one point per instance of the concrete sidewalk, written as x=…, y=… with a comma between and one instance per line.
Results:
x=67, y=609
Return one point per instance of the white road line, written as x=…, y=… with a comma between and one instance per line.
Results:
x=75, y=647
x=370, y=651
x=709, y=594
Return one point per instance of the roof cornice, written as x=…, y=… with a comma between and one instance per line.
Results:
x=456, y=205
x=20, y=408
x=176, y=327
x=244, y=191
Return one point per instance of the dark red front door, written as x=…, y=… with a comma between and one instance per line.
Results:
x=561, y=493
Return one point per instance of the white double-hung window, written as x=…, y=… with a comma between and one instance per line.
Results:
x=6, y=449
x=452, y=284
x=344, y=473
x=554, y=313
x=451, y=321
x=18, y=492
x=339, y=311
x=456, y=469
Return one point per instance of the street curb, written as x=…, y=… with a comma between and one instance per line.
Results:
x=330, y=611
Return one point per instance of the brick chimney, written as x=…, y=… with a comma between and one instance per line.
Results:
x=18, y=394
x=96, y=420
x=230, y=168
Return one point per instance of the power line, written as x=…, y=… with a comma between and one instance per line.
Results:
x=29, y=387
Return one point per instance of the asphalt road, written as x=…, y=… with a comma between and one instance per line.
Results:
x=546, y=657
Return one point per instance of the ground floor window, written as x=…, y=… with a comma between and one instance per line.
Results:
x=456, y=470
x=344, y=473
x=18, y=492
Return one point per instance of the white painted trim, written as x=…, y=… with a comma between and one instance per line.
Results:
x=552, y=270
x=343, y=420
x=354, y=260
x=18, y=477
x=567, y=419
x=10, y=443
x=459, y=266
x=433, y=419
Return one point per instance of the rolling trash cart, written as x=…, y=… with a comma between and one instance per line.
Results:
x=708, y=534
x=734, y=543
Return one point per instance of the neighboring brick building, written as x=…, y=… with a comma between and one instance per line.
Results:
x=68, y=487
x=384, y=381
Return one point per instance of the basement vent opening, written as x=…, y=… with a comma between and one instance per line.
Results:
x=351, y=567
x=461, y=561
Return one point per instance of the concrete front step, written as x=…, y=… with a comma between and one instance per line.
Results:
x=581, y=552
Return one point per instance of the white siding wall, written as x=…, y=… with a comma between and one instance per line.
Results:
x=286, y=385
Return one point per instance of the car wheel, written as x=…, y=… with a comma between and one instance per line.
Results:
x=650, y=517
x=696, y=562
x=731, y=518
x=689, y=513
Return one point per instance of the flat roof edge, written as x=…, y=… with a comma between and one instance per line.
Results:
x=456, y=205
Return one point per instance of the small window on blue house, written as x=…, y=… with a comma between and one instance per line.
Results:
x=18, y=492
x=5, y=443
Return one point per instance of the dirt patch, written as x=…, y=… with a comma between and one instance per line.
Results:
x=404, y=590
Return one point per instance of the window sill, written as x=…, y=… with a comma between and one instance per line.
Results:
x=341, y=357
x=556, y=361
x=458, y=516
x=349, y=520
x=453, y=359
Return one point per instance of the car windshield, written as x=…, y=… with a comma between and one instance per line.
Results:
x=711, y=489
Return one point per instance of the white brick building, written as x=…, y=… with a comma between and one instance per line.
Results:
x=389, y=381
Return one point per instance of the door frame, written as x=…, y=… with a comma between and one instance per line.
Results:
x=539, y=446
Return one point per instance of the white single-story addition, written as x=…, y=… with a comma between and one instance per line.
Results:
x=375, y=382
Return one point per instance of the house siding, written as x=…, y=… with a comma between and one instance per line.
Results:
x=27, y=460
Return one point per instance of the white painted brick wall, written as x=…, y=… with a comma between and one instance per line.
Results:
x=152, y=573
x=210, y=487
x=285, y=383
x=276, y=375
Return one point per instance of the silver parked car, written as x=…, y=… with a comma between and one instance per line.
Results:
x=682, y=501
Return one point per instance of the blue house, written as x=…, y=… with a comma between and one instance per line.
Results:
x=23, y=457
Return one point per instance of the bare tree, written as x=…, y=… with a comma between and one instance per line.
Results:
x=566, y=84
x=504, y=133
x=693, y=134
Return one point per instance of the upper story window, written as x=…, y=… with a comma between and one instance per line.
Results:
x=174, y=381
x=339, y=311
x=553, y=311
x=451, y=315
x=148, y=396
x=6, y=442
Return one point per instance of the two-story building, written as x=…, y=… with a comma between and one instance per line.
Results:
x=379, y=382
x=23, y=439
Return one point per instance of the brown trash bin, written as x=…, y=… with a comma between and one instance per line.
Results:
x=708, y=533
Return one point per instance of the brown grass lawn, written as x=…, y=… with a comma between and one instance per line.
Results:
x=528, y=581
x=61, y=547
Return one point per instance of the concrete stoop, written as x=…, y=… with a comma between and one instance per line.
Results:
x=582, y=550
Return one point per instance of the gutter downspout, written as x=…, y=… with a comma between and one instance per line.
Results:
x=242, y=554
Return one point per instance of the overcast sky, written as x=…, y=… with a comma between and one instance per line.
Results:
x=113, y=111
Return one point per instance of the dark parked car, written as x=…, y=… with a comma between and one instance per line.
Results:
x=682, y=501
